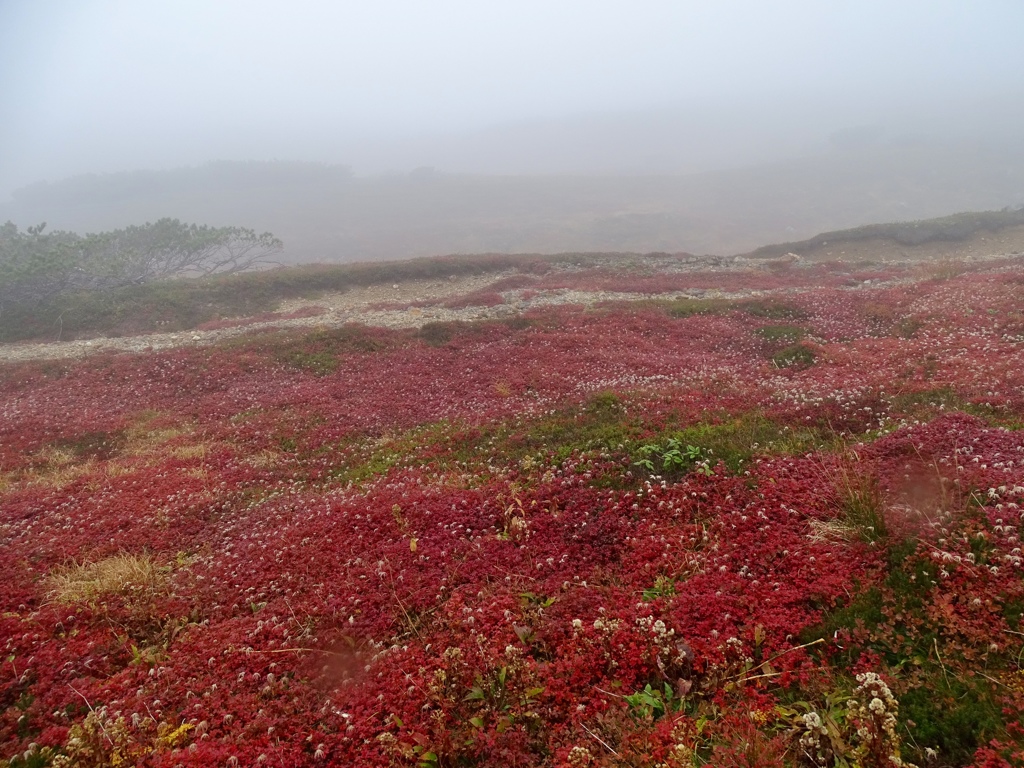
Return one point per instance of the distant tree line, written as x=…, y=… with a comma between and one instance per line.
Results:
x=36, y=265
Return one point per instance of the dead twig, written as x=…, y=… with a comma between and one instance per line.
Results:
x=935, y=643
x=778, y=656
x=997, y=682
x=598, y=739
x=99, y=720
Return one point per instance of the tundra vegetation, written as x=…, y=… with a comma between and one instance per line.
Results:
x=763, y=532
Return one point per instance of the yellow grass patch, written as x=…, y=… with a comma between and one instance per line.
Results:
x=832, y=530
x=197, y=451
x=122, y=574
x=56, y=457
x=264, y=459
x=58, y=475
x=141, y=441
x=115, y=469
x=141, y=437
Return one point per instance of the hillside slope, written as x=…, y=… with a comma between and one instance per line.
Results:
x=465, y=288
x=324, y=215
x=764, y=515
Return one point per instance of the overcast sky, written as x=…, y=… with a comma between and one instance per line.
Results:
x=107, y=85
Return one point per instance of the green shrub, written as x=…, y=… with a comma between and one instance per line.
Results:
x=795, y=356
x=951, y=715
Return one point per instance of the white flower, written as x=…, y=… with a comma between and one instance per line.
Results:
x=812, y=721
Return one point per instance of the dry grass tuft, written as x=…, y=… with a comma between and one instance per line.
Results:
x=149, y=433
x=860, y=500
x=53, y=456
x=265, y=459
x=58, y=476
x=945, y=269
x=125, y=575
x=832, y=530
x=862, y=504
x=197, y=451
x=143, y=441
x=115, y=469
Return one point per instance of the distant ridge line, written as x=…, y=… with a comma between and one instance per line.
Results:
x=953, y=228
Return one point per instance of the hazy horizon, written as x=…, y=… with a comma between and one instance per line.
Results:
x=101, y=86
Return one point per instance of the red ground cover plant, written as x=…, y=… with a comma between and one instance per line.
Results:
x=608, y=538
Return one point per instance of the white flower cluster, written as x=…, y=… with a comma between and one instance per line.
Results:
x=810, y=739
x=579, y=757
x=669, y=649
x=876, y=720
x=602, y=624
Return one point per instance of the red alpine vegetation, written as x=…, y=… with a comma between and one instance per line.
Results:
x=768, y=531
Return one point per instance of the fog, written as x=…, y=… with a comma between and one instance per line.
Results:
x=540, y=126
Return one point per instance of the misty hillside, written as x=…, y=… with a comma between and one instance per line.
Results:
x=326, y=214
x=589, y=511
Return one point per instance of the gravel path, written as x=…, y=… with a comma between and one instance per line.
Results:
x=341, y=309
x=388, y=306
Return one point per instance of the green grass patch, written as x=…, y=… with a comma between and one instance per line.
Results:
x=952, y=715
x=1013, y=612
x=690, y=307
x=789, y=334
x=910, y=579
x=317, y=363
x=602, y=422
x=943, y=705
x=367, y=458
x=437, y=334
x=861, y=504
x=736, y=441
x=860, y=612
x=927, y=404
x=797, y=356
x=907, y=327
x=768, y=309
x=605, y=424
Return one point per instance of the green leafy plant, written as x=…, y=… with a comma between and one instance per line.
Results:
x=652, y=703
x=663, y=587
x=498, y=700
x=674, y=457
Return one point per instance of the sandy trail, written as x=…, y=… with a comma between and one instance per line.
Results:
x=394, y=306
